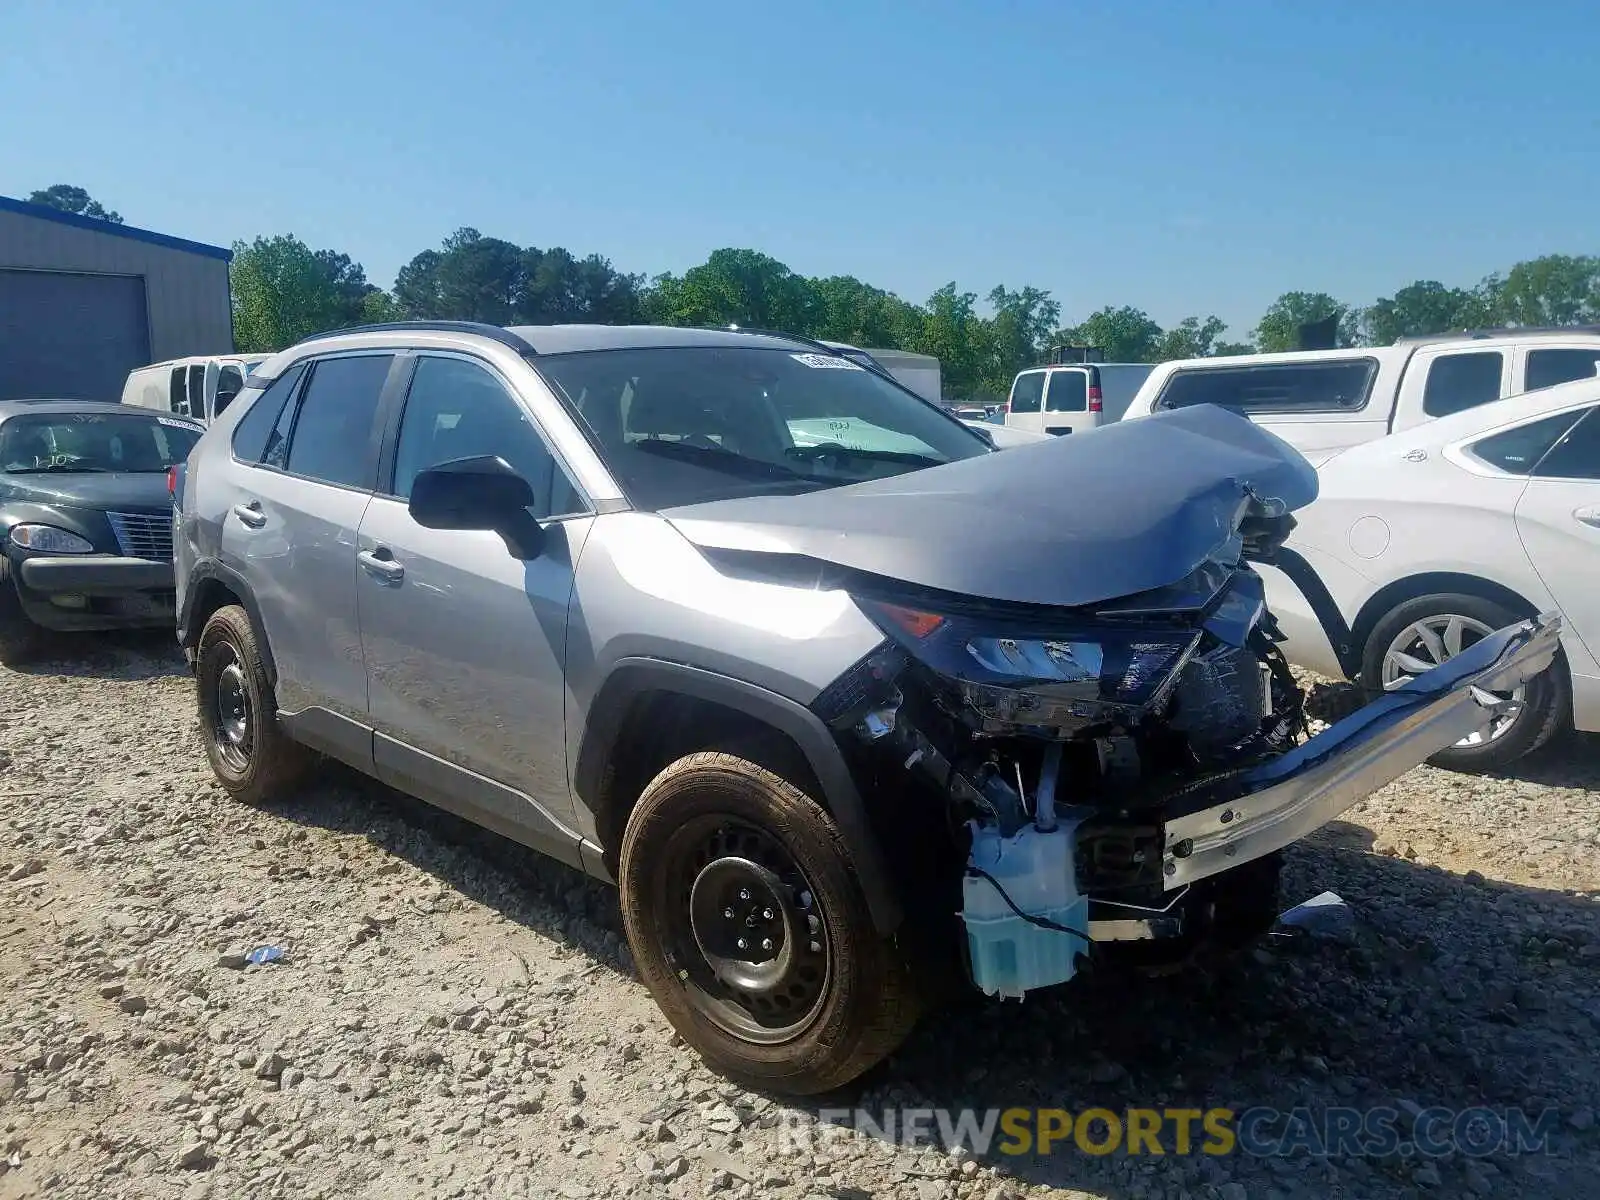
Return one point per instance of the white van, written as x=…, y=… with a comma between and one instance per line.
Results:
x=1325, y=401
x=200, y=386
x=1073, y=397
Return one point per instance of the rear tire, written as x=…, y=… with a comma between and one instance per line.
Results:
x=1547, y=699
x=19, y=636
x=817, y=997
x=251, y=756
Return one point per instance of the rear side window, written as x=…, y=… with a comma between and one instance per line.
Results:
x=1027, y=393
x=1068, y=392
x=255, y=427
x=1517, y=451
x=1577, y=454
x=1457, y=382
x=178, y=391
x=1546, y=368
x=1339, y=386
x=332, y=433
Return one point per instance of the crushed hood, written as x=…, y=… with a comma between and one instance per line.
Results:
x=1076, y=520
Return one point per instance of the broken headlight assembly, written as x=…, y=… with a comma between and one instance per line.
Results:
x=1013, y=676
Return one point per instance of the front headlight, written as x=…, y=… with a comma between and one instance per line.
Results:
x=1082, y=668
x=47, y=539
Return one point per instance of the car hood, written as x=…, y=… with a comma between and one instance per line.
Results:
x=115, y=492
x=1070, y=521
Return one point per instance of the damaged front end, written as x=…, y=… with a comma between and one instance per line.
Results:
x=1126, y=771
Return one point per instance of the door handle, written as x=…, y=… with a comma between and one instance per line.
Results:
x=250, y=514
x=1589, y=516
x=381, y=564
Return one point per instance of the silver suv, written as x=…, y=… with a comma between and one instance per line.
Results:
x=847, y=703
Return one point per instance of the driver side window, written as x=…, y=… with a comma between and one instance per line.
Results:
x=457, y=409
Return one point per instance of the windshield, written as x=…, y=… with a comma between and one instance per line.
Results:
x=685, y=425
x=65, y=442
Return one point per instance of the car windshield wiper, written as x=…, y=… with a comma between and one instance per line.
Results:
x=834, y=449
x=718, y=459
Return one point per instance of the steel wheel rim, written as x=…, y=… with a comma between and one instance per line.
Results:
x=726, y=875
x=231, y=714
x=1425, y=644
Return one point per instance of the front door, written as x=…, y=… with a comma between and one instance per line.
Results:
x=465, y=645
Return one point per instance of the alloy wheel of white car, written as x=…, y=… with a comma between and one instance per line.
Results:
x=1426, y=643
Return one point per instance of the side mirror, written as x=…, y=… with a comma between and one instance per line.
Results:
x=984, y=434
x=478, y=493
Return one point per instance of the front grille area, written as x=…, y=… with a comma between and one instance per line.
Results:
x=142, y=535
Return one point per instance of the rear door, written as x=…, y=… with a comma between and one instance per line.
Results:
x=1558, y=518
x=1548, y=364
x=1025, y=409
x=1450, y=378
x=289, y=528
x=178, y=390
x=465, y=645
x=1066, y=402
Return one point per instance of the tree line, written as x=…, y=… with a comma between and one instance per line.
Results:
x=284, y=290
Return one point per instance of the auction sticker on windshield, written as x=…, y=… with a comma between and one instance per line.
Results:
x=826, y=362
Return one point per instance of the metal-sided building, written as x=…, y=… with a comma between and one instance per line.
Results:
x=85, y=301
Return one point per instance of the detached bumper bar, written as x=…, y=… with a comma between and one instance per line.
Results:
x=1306, y=788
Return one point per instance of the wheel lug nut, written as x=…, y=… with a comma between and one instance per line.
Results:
x=766, y=914
x=766, y=943
x=816, y=947
x=743, y=945
x=727, y=914
x=744, y=893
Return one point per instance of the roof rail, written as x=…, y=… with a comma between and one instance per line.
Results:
x=497, y=333
x=779, y=333
x=1463, y=335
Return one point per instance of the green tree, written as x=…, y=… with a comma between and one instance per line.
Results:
x=1558, y=289
x=72, y=199
x=1125, y=334
x=283, y=291
x=736, y=287
x=1279, y=329
x=1425, y=307
x=1192, y=337
x=469, y=278
x=951, y=329
x=847, y=310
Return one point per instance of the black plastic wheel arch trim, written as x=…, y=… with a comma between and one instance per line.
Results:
x=634, y=677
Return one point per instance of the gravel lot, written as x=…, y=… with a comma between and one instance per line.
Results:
x=456, y=1017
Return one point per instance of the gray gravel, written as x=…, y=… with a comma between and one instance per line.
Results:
x=455, y=1017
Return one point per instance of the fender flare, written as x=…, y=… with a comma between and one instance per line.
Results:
x=631, y=678
x=210, y=571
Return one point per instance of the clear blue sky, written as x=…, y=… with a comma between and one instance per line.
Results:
x=1184, y=157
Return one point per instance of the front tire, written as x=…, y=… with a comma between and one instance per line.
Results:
x=1432, y=629
x=749, y=928
x=252, y=758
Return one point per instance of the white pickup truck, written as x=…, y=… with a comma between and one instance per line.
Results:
x=1324, y=401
